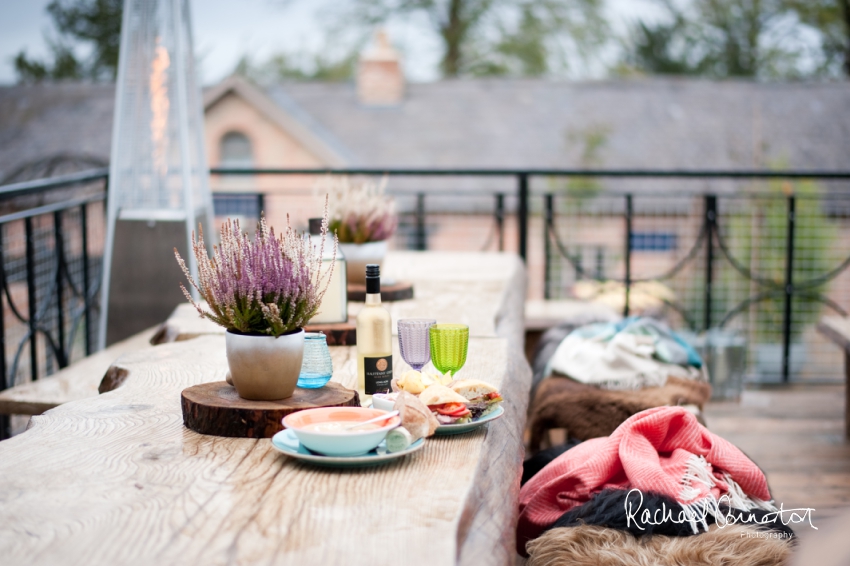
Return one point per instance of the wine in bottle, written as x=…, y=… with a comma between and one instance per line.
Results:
x=374, y=340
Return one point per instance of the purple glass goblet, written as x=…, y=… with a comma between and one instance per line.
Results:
x=414, y=341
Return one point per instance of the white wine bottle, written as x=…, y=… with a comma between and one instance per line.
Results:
x=374, y=340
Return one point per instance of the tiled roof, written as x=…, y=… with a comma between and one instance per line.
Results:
x=649, y=123
x=38, y=121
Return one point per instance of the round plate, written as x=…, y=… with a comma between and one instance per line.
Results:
x=287, y=442
x=447, y=429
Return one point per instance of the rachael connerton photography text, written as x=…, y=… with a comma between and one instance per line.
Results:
x=726, y=515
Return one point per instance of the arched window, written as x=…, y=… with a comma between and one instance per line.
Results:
x=236, y=150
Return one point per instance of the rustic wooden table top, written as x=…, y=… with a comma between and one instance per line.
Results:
x=117, y=479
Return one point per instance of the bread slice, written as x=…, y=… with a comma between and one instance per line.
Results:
x=472, y=388
x=415, y=416
x=439, y=394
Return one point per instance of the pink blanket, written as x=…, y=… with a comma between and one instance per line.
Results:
x=662, y=450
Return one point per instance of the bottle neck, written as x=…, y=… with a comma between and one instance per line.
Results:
x=373, y=298
x=373, y=285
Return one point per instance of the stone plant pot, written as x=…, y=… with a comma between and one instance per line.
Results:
x=357, y=256
x=264, y=368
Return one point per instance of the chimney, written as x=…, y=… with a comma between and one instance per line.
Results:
x=380, y=81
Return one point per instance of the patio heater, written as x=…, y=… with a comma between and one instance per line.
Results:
x=158, y=190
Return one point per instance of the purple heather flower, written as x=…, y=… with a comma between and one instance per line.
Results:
x=271, y=285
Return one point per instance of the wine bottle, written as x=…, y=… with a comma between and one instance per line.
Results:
x=374, y=340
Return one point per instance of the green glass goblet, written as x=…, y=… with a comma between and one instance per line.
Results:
x=449, y=343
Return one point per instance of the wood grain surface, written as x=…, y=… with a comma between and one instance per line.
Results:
x=216, y=408
x=80, y=380
x=118, y=479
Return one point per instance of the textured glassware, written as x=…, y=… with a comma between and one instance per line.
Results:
x=449, y=343
x=317, y=367
x=414, y=341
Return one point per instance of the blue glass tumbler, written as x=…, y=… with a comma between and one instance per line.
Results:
x=317, y=367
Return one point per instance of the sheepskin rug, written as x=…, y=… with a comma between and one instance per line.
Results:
x=733, y=545
x=588, y=412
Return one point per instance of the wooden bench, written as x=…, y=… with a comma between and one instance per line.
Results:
x=79, y=380
x=837, y=329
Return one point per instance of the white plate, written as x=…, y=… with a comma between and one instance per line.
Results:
x=447, y=429
x=287, y=442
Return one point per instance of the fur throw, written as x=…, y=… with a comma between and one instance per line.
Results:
x=608, y=509
x=598, y=546
x=661, y=450
x=588, y=412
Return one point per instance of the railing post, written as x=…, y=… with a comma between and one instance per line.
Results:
x=710, y=221
x=261, y=205
x=522, y=214
x=85, y=286
x=59, y=248
x=500, y=219
x=547, y=262
x=421, y=243
x=31, y=298
x=789, y=289
x=628, y=278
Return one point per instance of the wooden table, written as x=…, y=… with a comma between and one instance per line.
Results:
x=117, y=479
x=837, y=329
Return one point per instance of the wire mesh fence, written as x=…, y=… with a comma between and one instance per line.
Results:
x=715, y=261
x=50, y=262
x=699, y=249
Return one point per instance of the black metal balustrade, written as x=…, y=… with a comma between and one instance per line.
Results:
x=50, y=257
x=50, y=262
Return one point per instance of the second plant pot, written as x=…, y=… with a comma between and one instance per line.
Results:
x=265, y=368
x=357, y=256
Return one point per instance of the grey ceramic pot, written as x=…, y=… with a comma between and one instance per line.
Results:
x=264, y=368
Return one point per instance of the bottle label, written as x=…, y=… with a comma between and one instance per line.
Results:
x=379, y=373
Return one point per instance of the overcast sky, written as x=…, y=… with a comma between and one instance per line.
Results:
x=227, y=29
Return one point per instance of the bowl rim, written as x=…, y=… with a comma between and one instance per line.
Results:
x=394, y=422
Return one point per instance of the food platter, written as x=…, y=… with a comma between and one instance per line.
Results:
x=285, y=441
x=445, y=430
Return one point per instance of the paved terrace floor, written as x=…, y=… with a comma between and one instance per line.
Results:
x=796, y=436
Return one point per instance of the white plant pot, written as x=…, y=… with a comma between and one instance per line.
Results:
x=358, y=256
x=264, y=368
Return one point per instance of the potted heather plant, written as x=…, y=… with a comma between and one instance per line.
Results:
x=262, y=292
x=363, y=218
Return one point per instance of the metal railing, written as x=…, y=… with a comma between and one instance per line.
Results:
x=50, y=262
x=712, y=247
x=49, y=274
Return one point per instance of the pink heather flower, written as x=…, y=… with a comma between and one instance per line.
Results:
x=271, y=285
x=360, y=212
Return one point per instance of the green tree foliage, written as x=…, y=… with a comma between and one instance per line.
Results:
x=285, y=66
x=500, y=37
x=96, y=23
x=743, y=38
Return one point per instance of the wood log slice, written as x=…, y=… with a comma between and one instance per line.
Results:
x=337, y=333
x=400, y=291
x=216, y=409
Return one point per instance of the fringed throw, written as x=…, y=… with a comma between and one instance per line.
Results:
x=662, y=450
